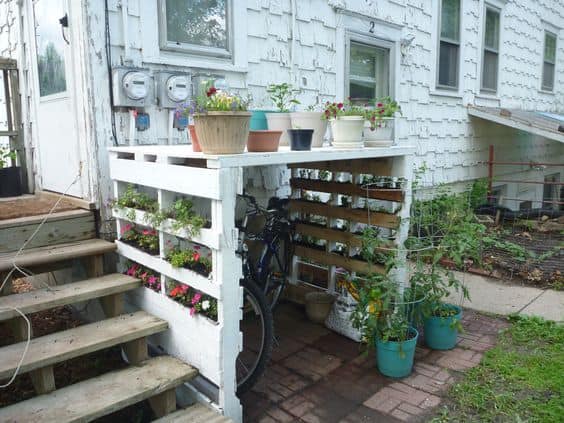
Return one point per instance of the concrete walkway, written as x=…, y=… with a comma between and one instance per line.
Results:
x=492, y=296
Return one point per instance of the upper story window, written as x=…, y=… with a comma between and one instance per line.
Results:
x=549, y=61
x=449, y=44
x=490, y=57
x=368, y=71
x=196, y=26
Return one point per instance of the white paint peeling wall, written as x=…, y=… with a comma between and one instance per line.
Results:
x=8, y=49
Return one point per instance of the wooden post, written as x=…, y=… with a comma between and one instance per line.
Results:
x=112, y=304
x=228, y=271
x=136, y=351
x=7, y=288
x=94, y=266
x=43, y=380
x=163, y=403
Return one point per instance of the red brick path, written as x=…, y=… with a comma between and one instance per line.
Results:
x=318, y=376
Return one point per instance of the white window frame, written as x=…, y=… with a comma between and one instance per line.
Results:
x=498, y=10
x=150, y=29
x=378, y=32
x=543, y=60
x=438, y=86
x=370, y=42
x=165, y=44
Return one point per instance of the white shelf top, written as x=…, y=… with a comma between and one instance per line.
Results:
x=281, y=157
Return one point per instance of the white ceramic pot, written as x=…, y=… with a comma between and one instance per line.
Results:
x=310, y=120
x=347, y=131
x=382, y=135
x=280, y=122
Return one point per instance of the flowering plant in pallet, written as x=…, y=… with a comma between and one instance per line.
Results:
x=150, y=280
x=196, y=302
x=144, y=239
x=335, y=110
x=190, y=259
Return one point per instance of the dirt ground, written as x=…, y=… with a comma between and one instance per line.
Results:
x=31, y=206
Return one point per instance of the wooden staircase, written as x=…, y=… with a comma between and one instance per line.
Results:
x=152, y=379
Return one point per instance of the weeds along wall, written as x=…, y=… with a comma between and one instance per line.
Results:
x=307, y=48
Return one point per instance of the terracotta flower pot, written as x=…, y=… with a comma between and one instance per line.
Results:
x=263, y=141
x=222, y=132
x=194, y=137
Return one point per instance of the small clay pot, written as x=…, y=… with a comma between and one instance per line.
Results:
x=195, y=143
x=300, y=139
x=263, y=141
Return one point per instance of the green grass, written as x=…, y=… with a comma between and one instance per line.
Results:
x=520, y=380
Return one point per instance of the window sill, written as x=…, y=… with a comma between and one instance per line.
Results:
x=487, y=96
x=446, y=93
x=199, y=62
x=546, y=92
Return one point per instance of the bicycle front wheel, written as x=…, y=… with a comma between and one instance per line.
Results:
x=258, y=332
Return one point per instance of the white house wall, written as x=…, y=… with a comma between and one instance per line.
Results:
x=453, y=147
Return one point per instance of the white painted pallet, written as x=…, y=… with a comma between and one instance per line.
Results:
x=207, y=237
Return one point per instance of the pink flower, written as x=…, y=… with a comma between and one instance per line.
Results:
x=143, y=276
x=126, y=228
x=152, y=280
x=131, y=271
x=196, y=256
x=192, y=311
x=379, y=105
x=196, y=298
x=197, y=247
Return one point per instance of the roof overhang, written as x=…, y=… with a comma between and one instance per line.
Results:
x=537, y=123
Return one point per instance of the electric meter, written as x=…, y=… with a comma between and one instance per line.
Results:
x=135, y=85
x=131, y=87
x=177, y=88
x=172, y=88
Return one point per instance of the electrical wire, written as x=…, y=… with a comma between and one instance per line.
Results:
x=109, y=66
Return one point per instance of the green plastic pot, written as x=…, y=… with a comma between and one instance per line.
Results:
x=395, y=359
x=441, y=332
x=258, y=120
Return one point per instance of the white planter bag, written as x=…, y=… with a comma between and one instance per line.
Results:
x=382, y=136
x=339, y=319
x=310, y=120
x=347, y=131
x=280, y=122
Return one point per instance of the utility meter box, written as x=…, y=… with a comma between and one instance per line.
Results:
x=131, y=87
x=173, y=89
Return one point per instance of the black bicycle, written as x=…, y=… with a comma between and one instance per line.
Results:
x=266, y=250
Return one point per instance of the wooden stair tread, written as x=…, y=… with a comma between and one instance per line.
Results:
x=197, y=413
x=71, y=343
x=46, y=298
x=102, y=395
x=55, y=253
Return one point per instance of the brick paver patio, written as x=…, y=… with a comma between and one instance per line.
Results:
x=317, y=376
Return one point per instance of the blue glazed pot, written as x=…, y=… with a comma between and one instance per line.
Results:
x=395, y=359
x=441, y=332
x=258, y=120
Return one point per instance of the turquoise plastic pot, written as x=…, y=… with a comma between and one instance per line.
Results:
x=258, y=120
x=441, y=332
x=395, y=359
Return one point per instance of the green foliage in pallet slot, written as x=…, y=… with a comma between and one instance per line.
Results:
x=146, y=239
x=134, y=199
x=148, y=276
x=189, y=258
x=196, y=302
x=324, y=175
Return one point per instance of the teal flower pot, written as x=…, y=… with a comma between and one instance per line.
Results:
x=258, y=120
x=441, y=332
x=395, y=359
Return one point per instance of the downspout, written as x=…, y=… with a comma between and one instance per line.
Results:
x=293, y=48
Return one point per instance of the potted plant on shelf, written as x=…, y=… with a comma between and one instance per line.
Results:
x=282, y=95
x=347, y=122
x=379, y=124
x=221, y=121
x=310, y=119
x=300, y=139
x=10, y=174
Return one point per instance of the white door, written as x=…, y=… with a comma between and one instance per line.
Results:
x=56, y=131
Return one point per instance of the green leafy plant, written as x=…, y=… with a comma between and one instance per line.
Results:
x=214, y=100
x=282, y=95
x=190, y=259
x=335, y=110
x=145, y=239
x=147, y=276
x=195, y=301
x=383, y=108
x=7, y=156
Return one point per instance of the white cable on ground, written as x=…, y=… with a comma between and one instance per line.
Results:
x=28, y=273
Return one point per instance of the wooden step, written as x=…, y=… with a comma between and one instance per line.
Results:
x=197, y=413
x=102, y=395
x=46, y=298
x=56, y=253
x=62, y=346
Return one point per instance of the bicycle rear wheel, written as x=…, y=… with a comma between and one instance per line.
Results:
x=275, y=271
x=258, y=332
